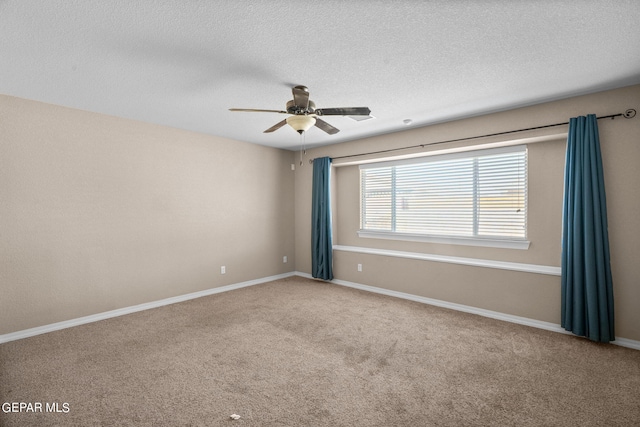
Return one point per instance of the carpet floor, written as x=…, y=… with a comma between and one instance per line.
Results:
x=298, y=352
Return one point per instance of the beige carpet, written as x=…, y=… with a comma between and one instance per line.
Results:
x=297, y=352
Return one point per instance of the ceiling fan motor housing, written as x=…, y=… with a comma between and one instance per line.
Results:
x=292, y=108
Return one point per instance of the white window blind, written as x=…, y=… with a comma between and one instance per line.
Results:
x=477, y=194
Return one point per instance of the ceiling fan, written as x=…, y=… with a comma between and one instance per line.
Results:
x=304, y=113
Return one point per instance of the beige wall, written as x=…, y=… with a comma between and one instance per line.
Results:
x=99, y=213
x=531, y=295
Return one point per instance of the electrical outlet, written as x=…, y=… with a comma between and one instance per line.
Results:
x=359, y=267
x=284, y=259
x=223, y=269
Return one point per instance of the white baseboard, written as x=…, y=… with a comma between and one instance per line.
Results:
x=135, y=308
x=623, y=342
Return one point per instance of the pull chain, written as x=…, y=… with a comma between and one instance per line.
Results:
x=303, y=146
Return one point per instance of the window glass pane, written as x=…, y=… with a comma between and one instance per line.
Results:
x=376, y=199
x=501, y=195
x=435, y=198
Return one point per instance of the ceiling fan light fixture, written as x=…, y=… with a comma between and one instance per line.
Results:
x=301, y=123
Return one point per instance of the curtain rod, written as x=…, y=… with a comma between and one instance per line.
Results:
x=630, y=113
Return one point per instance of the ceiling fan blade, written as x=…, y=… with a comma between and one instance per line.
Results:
x=301, y=97
x=276, y=126
x=326, y=127
x=348, y=111
x=253, y=110
x=360, y=118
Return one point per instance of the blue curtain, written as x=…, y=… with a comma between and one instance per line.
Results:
x=587, y=287
x=321, y=241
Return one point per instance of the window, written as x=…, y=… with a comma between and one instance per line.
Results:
x=471, y=195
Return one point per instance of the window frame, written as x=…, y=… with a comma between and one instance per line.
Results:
x=484, y=241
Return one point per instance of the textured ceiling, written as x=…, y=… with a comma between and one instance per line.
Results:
x=185, y=63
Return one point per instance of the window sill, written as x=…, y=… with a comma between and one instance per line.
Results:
x=466, y=241
x=474, y=262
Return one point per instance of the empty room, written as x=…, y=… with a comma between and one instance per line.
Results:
x=292, y=213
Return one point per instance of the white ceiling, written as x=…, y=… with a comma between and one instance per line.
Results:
x=185, y=63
